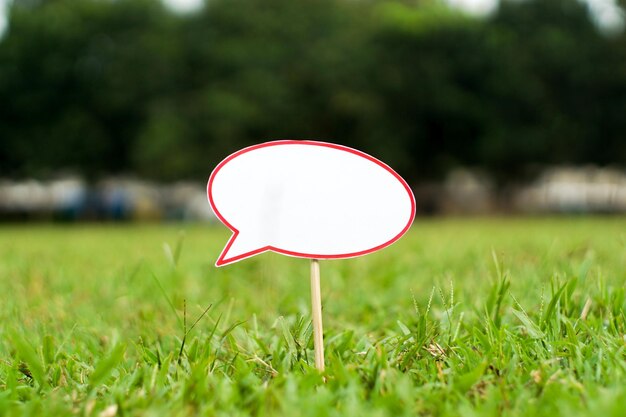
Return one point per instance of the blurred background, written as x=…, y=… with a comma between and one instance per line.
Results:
x=120, y=109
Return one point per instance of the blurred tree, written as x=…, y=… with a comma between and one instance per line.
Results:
x=104, y=86
x=434, y=66
x=278, y=70
x=570, y=82
x=75, y=77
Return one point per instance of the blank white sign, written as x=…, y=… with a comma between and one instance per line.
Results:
x=308, y=199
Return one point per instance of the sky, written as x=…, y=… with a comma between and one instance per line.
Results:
x=605, y=12
x=184, y=5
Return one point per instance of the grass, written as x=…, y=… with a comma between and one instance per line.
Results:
x=477, y=317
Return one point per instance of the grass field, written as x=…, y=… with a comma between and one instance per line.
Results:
x=477, y=317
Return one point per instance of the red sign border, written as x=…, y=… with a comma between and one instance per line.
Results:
x=221, y=261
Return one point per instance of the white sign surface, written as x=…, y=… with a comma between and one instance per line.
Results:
x=308, y=199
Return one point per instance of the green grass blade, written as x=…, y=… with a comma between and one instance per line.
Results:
x=107, y=365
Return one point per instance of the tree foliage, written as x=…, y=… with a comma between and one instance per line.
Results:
x=102, y=86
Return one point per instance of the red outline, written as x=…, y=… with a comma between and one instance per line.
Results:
x=222, y=261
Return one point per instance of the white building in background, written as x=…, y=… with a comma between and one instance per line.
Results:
x=575, y=189
x=557, y=190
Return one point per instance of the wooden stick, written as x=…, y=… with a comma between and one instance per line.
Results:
x=316, y=308
x=586, y=308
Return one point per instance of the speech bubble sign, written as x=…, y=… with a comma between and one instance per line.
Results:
x=308, y=199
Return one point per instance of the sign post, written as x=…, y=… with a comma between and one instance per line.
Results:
x=274, y=197
x=316, y=310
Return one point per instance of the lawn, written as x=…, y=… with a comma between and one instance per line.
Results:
x=461, y=317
